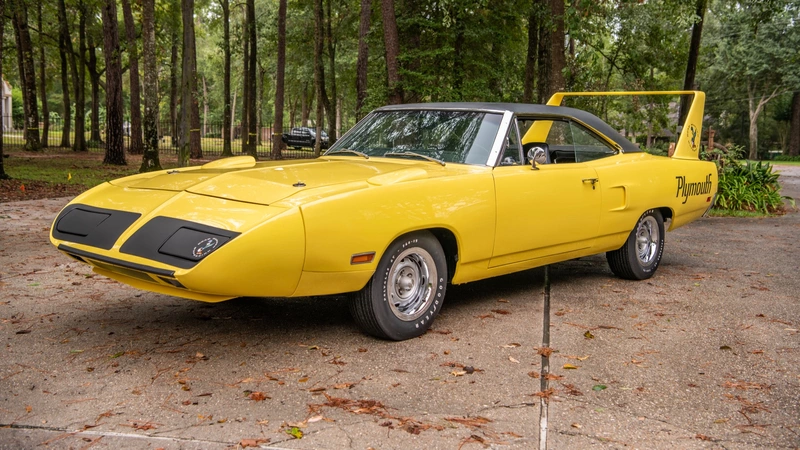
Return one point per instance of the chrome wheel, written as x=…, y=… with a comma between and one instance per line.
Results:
x=409, y=286
x=647, y=240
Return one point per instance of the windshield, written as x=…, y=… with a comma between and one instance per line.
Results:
x=451, y=136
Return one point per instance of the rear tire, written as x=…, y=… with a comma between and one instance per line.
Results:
x=407, y=290
x=640, y=256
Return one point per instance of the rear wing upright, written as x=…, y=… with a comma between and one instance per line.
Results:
x=688, y=144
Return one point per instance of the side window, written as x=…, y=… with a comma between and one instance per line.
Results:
x=589, y=147
x=561, y=143
x=512, y=155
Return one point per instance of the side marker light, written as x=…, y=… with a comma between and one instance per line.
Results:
x=362, y=258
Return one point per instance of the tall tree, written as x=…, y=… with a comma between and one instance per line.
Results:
x=95, y=74
x=754, y=48
x=363, y=57
x=3, y=174
x=190, y=115
x=115, y=151
x=794, y=128
x=133, y=72
x=174, y=95
x=331, y=106
x=319, y=73
x=77, y=68
x=252, y=123
x=43, y=81
x=280, y=71
x=534, y=27
x=27, y=75
x=65, y=93
x=150, y=160
x=391, y=43
x=247, y=97
x=694, y=54
x=226, y=80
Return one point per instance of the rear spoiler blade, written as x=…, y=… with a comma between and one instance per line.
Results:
x=688, y=145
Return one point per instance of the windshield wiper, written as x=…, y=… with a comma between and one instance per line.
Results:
x=429, y=158
x=347, y=150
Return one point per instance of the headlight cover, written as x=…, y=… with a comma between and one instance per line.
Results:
x=176, y=242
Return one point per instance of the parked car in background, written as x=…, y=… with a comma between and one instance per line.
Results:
x=301, y=137
x=411, y=200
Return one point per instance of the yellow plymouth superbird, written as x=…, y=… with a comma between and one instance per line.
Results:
x=413, y=198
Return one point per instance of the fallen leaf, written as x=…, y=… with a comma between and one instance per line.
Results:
x=28, y=408
x=533, y=374
x=599, y=387
x=244, y=443
x=314, y=419
x=725, y=347
x=703, y=437
x=258, y=396
x=544, y=351
x=295, y=432
x=512, y=359
x=718, y=421
x=302, y=380
x=458, y=373
x=501, y=311
x=576, y=425
x=588, y=335
x=511, y=345
x=23, y=331
x=552, y=377
x=570, y=366
x=343, y=385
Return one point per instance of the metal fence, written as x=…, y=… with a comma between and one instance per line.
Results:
x=211, y=141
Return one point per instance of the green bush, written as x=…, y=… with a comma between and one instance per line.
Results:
x=749, y=187
x=786, y=158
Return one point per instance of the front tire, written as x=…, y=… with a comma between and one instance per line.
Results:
x=407, y=290
x=640, y=256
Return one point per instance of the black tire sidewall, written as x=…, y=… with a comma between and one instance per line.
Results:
x=392, y=326
x=646, y=271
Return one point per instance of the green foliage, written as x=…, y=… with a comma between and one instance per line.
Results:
x=787, y=158
x=749, y=187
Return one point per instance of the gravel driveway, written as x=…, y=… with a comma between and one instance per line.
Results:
x=704, y=355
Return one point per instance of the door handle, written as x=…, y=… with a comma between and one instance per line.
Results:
x=591, y=180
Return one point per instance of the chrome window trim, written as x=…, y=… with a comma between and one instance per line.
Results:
x=502, y=131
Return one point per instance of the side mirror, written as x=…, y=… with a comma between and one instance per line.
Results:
x=537, y=153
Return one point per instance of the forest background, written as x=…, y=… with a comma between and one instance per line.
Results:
x=117, y=74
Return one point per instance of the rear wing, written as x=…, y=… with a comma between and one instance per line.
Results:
x=688, y=144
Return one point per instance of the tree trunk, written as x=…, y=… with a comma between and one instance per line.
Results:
x=246, y=96
x=76, y=65
x=173, y=91
x=150, y=159
x=190, y=121
x=252, y=78
x=280, y=69
x=27, y=76
x=756, y=107
x=458, y=55
x=558, y=60
x=694, y=54
x=363, y=57
x=794, y=127
x=262, y=89
x=331, y=106
x=135, y=146
x=43, y=83
x=115, y=151
x=233, y=111
x=67, y=104
x=3, y=175
x=205, y=109
x=94, y=80
x=392, y=45
x=543, y=55
x=533, y=47
x=306, y=100
x=319, y=74
x=226, y=80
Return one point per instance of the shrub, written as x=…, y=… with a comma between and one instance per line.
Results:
x=786, y=158
x=749, y=187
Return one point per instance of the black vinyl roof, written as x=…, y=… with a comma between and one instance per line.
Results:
x=525, y=109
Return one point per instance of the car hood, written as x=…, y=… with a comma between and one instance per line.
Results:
x=290, y=181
